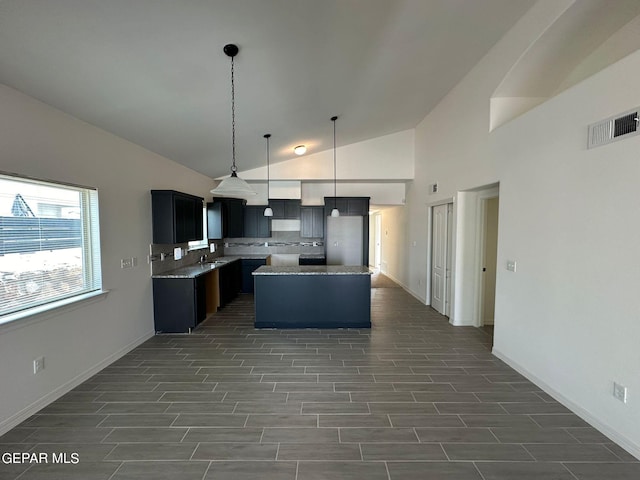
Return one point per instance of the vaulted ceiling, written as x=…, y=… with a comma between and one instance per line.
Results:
x=153, y=71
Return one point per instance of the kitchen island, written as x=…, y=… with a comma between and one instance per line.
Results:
x=312, y=296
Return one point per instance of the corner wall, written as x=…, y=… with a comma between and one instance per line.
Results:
x=568, y=318
x=39, y=141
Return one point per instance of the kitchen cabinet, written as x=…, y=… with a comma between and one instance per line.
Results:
x=179, y=304
x=312, y=222
x=248, y=267
x=176, y=217
x=312, y=260
x=225, y=218
x=348, y=205
x=256, y=225
x=230, y=281
x=285, y=209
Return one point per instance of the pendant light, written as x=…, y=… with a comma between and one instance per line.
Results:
x=267, y=211
x=233, y=186
x=335, y=212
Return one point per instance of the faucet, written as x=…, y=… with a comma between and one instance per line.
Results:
x=203, y=259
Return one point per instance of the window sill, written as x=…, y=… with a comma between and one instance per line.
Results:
x=40, y=313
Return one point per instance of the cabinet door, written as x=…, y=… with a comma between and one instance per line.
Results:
x=230, y=280
x=177, y=217
x=234, y=218
x=200, y=298
x=248, y=267
x=277, y=205
x=312, y=222
x=358, y=206
x=184, y=222
x=174, y=305
x=292, y=209
x=214, y=220
x=256, y=225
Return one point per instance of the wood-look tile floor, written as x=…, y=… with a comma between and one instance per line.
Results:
x=411, y=398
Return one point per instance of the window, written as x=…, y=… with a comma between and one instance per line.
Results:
x=49, y=243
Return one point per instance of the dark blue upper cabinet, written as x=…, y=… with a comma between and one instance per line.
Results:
x=176, y=217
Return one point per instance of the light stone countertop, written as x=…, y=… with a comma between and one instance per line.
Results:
x=197, y=269
x=313, y=270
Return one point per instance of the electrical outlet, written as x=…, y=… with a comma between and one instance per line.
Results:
x=126, y=263
x=511, y=265
x=38, y=365
x=620, y=392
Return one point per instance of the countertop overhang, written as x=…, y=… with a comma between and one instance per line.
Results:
x=313, y=270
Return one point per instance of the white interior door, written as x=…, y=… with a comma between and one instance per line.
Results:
x=439, y=258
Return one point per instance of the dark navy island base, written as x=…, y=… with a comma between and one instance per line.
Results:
x=312, y=297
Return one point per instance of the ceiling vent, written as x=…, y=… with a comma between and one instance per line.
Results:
x=614, y=128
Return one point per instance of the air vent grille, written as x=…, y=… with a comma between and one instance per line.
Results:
x=614, y=128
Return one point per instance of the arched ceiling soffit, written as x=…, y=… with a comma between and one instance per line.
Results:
x=578, y=44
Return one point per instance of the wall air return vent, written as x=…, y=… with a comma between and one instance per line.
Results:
x=614, y=128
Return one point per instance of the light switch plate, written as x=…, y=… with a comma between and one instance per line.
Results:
x=177, y=253
x=511, y=265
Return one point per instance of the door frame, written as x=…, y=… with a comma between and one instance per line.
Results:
x=449, y=286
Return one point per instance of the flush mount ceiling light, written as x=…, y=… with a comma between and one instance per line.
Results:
x=233, y=186
x=300, y=150
x=335, y=212
x=267, y=211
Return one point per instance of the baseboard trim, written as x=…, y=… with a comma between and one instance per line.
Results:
x=52, y=396
x=603, y=428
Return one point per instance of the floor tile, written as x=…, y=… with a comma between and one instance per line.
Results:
x=300, y=435
x=570, y=453
x=601, y=471
x=378, y=435
x=246, y=470
x=161, y=470
x=411, y=398
x=235, y=451
x=342, y=471
x=451, y=435
x=486, y=451
x=433, y=471
x=523, y=471
x=400, y=452
x=319, y=451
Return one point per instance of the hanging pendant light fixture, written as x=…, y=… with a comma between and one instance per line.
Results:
x=267, y=211
x=335, y=212
x=233, y=186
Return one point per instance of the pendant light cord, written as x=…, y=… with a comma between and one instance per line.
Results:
x=335, y=200
x=267, y=137
x=233, y=119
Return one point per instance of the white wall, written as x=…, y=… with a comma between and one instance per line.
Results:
x=390, y=157
x=393, y=243
x=570, y=314
x=569, y=317
x=39, y=141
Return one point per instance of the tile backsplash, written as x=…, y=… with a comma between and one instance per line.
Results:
x=279, y=242
x=189, y=257
x=287, y=242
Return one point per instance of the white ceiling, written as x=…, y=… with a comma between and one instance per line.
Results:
x=153, y=71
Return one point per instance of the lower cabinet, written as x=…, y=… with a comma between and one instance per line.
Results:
x=230, y=281
x=248, y=267
x=179, y=304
